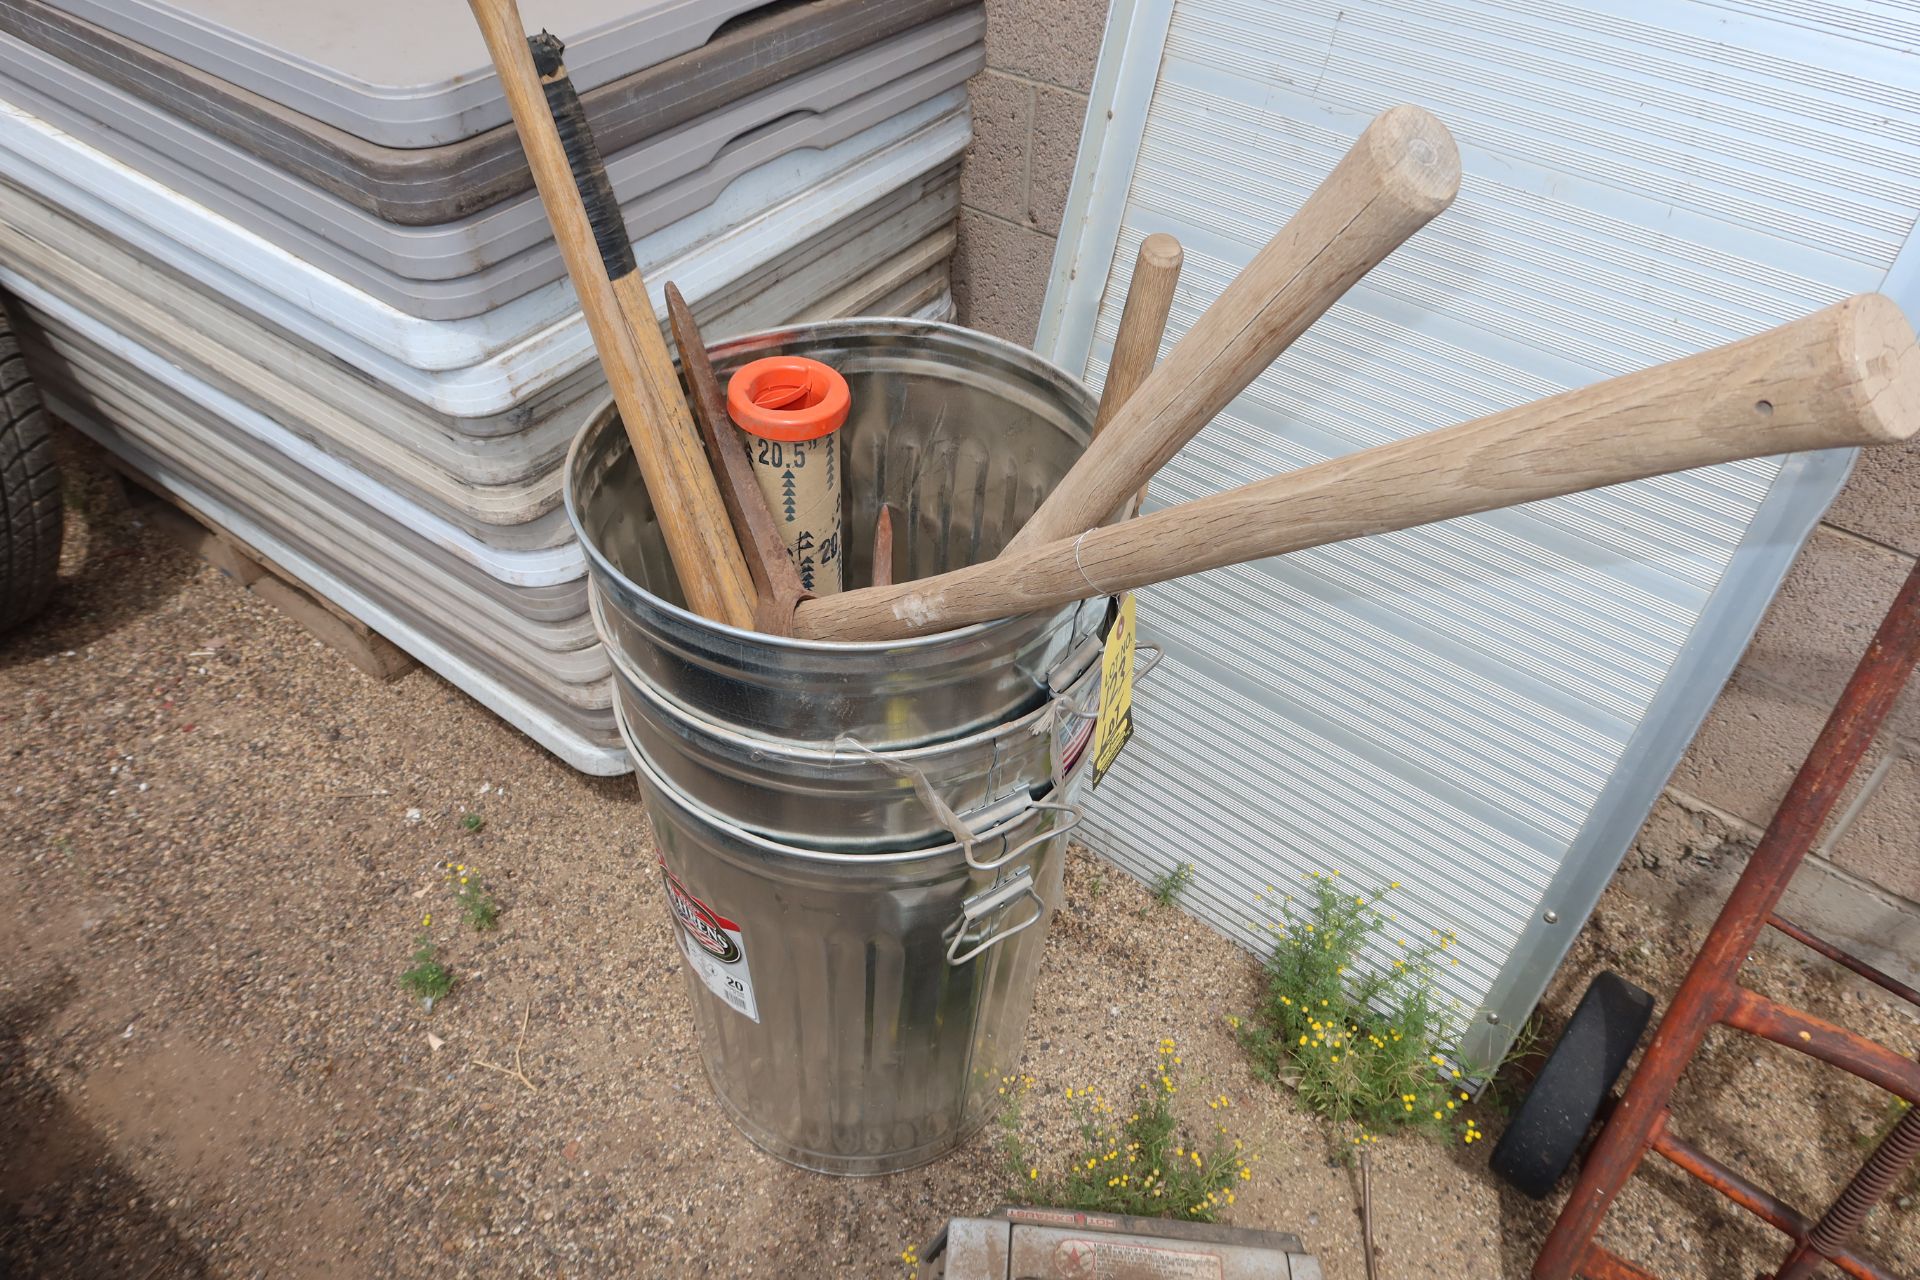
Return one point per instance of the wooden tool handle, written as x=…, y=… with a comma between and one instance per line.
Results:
x=776, y=592
x=1397, y=177
x=609, y=227
x=1845, y=376
x=590, y=178
x=767, y=560
x=686, y=501
x=1143, y=323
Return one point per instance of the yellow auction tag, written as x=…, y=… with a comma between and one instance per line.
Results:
x=1115, y=725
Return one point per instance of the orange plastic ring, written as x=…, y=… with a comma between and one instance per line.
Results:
x=788, y=398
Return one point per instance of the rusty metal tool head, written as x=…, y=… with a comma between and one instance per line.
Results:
x=883, y=547
x=774, y=576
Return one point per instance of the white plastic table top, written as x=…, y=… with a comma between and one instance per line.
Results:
x=487, y=364
x=546, y=636
x=553, y=656
x=545, y=567
x=558, y=655
x=423, y=185
x=575, y=733
x=404, y=75
x=510, y=484
x=455, y=269
x=551, y=731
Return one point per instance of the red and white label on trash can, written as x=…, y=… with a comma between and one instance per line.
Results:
x=715, y=947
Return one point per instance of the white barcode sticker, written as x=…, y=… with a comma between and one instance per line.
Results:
x=715, y=947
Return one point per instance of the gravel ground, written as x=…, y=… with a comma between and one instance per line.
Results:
x=220, y=839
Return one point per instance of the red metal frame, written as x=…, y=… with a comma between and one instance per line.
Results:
x=1711, y=995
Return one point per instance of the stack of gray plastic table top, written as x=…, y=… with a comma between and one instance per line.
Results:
x=477, y=238
x=288, y=262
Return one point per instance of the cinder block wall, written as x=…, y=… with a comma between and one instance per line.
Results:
x=1027, y=110
x=1864, y=891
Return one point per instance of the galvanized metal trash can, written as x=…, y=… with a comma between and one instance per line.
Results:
x=861, y=844
x=843, y=795
x=856, y=1011
x=963, y=435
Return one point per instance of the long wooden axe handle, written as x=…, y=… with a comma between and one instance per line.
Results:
x=1845, y=376
x=1400, y=174
x=705, y=553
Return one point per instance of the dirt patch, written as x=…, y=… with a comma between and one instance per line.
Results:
x=219, y=841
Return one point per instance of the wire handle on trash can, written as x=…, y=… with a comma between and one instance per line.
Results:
x=1074, y=815
x=999, y=815
x=989, y=902
x=1075, y=712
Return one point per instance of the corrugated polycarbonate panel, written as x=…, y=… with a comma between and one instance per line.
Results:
x=1482, y=710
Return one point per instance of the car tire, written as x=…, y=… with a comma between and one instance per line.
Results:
x=30, y=507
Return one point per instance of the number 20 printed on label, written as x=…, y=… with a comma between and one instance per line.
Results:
x=715, y=947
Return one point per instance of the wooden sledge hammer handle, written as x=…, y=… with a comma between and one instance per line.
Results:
x=1845, y=376
x=693, y=522
x=1400, y=174
x=1143, y=323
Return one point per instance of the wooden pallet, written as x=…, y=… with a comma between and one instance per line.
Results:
x=339, y=630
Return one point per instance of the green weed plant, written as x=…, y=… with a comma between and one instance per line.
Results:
x=1362, y=1042
x=1147, y=1162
